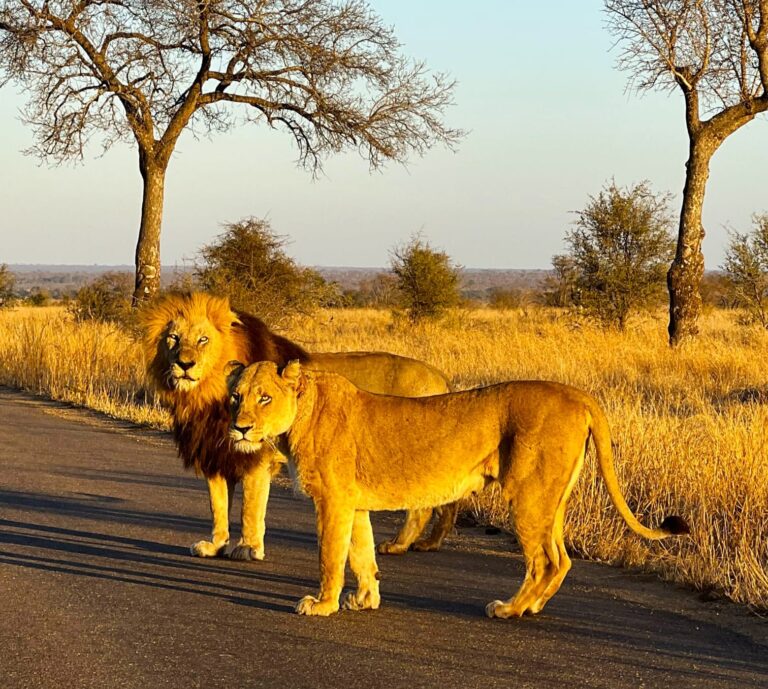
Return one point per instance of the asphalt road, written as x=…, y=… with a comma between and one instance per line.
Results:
x=97, y=589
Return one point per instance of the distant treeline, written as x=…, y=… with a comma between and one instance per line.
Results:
x=360, y=287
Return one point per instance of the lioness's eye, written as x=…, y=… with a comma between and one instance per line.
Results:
x=265, y=399
x=203, y=340
x=173, y=339
x=235, y=399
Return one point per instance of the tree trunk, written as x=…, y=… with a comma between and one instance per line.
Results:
x=685, y=274
x=148, y=246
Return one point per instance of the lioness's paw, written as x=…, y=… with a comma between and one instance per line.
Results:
x=309, y=605
x=365, y=600
x=246, y=552
x=207, y=549
x=391, y=548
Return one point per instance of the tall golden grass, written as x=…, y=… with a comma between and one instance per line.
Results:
x=690, y=426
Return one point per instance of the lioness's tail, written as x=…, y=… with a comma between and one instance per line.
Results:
x=671, y=526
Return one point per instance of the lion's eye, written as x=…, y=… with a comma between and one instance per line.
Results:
x=265, y=399
x=203, y=340
x=173, y=339
x=235, y=399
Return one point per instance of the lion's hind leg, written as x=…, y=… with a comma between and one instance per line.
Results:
x=415, y=521
x=362, y=560
x=446, y=519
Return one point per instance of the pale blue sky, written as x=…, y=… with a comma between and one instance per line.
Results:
x=549, y=119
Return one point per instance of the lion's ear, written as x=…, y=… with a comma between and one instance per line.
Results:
x=292, y=373
x=232, y=371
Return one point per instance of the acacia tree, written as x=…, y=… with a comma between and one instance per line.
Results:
x=329, y=72
x=716, y=53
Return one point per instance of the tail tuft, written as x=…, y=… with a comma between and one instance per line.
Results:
x=675, y=526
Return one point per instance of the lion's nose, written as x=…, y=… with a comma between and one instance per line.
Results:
x=242, y=429
x=185, y=365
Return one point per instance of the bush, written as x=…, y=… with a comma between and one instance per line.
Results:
x=427, y=279
x=561, y=288
x=7, y=285
x=107, y=299
x=380, y=292
x=746, y=269
x=620, y=250
x=38, y=297
x=248, y=264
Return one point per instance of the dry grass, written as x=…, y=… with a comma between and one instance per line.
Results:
x=690, y=427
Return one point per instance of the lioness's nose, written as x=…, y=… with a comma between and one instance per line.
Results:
x=243, y=429
x=185, y=365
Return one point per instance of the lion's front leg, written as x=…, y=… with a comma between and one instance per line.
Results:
x=255, y=497
x=220, y=492
x=334, y=531
x=362, y=560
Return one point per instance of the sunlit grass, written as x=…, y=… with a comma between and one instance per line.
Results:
x=690, y=427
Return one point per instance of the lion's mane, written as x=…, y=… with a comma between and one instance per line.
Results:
x=201, y=415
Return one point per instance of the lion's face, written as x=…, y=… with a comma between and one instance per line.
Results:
x=188, y=342
x=192, y=348
x=263, y=403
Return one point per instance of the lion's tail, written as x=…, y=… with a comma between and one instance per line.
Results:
x=671, y=526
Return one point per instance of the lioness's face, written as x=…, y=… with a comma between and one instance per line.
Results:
x=263, y=403
x=192, y=349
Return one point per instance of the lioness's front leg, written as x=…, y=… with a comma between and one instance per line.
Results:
x=334, y=531
x=220, y=492
x=362, y=560
x=255, y=497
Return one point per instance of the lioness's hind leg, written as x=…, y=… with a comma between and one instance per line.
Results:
x=538, y=502
x=534, y=496
x=220, y=493
x=362, y=560
x=564, y=562
x=446, y=519
x=415, y=521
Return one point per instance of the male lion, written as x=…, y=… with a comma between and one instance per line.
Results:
x=188, y=340
x=353, y=452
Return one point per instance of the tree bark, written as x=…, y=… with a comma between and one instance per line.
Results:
x=148, y=246
x=687, y=269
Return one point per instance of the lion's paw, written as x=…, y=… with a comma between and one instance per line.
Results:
x=391, y=548
x=426, y=546
x=246, y=552
x=207, y=549
x=502, y=610
x=365, y=600
x=309, y=605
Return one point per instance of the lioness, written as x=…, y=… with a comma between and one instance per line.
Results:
x=188, y=340
x=353, y=452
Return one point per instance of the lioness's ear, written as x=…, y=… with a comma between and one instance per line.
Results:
x=292, y=373
x=232, y=371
